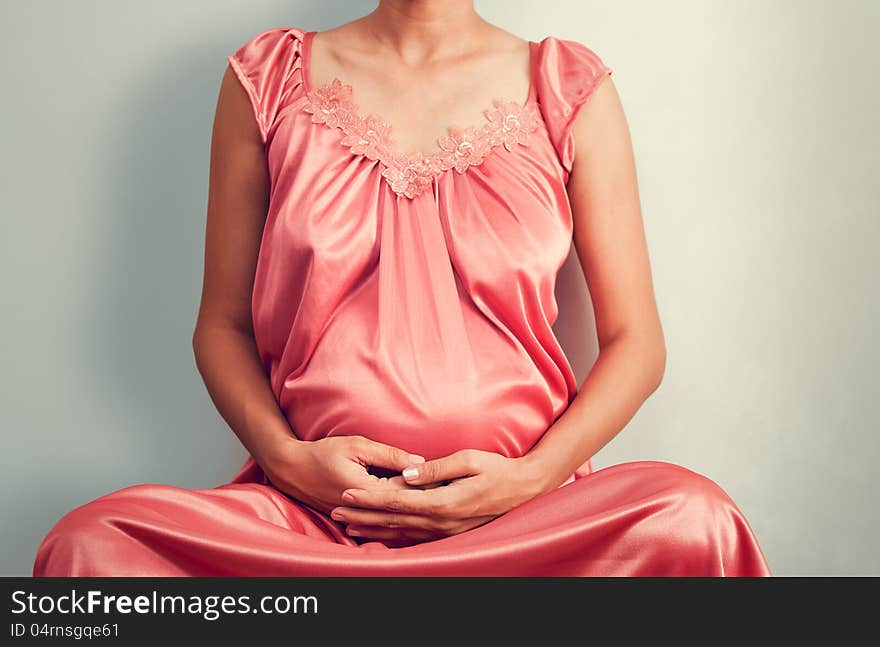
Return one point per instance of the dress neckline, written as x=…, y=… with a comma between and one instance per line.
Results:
x=411, y=172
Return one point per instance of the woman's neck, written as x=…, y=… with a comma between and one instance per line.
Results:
x=421, y=29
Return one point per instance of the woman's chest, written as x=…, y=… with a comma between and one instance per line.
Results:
x=504, y=215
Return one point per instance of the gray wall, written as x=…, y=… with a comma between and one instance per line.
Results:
x=755, y=127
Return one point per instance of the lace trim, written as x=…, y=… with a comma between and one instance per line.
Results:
x=409, y=174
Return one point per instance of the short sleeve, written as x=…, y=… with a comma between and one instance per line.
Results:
x=265, y=66
x=569, y=74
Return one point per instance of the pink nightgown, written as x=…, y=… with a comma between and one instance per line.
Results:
x=409, y=298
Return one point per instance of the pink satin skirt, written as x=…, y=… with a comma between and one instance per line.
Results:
x=641, y=518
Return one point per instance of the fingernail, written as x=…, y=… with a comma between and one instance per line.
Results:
x=353, y=531
x=415, y=458
x=348, y=496
x=411, y=473
x=337, y=515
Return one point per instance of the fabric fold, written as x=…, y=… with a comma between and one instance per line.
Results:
x=417, y=312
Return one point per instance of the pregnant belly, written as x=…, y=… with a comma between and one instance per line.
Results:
x=415, y=401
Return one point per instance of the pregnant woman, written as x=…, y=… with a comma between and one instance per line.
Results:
x=390, y=202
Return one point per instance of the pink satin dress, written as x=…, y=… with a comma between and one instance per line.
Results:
x=409, y=297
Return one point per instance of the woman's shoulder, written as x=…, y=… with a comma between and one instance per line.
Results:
x=268, y=41
x=570, y=62
x=568, y=72
x=268, y=65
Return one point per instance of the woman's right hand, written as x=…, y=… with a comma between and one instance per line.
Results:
x=317, y=472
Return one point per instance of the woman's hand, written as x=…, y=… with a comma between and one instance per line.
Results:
x=316, y=472
x=483, y=485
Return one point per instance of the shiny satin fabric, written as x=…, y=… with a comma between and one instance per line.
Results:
x=640, y=518
x=422, y=323
x=426, y=323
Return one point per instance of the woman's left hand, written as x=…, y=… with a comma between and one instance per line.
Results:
x=453, y=494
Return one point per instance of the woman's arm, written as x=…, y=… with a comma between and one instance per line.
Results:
x=609, y=238
x=223, y=341
x=610, y=241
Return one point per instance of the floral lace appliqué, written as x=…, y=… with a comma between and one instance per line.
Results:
x=508, y=124
x=331, y=104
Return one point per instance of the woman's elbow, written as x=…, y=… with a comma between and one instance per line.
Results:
x=196, y=340
x=644, y=352
x=655, y=362
x=201, y=344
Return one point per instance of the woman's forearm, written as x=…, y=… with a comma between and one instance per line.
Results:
x=228, y=361
x=627, y=371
